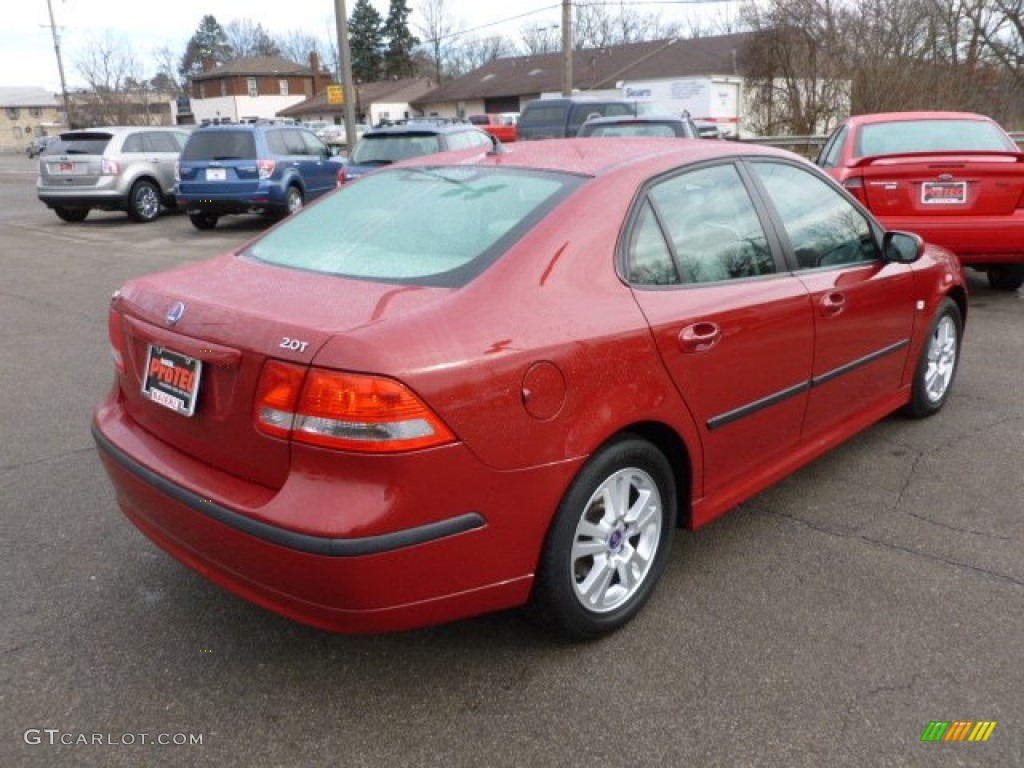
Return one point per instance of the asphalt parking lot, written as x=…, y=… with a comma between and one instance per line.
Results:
x=826, y=622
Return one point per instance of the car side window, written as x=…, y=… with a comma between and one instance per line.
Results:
x=276, y=142
x=824, y=228
x=161, y=141
x=712, y=225
x=313, y=145
x=459, y=140
x=833, y=150
x=650, y=260
x=294, y=143
x=133, y=143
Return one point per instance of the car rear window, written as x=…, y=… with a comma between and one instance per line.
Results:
x=92, y=143
x=424, y=226
x=659, y=130
x=386, y=148
x=220, y=145
x=931, y=135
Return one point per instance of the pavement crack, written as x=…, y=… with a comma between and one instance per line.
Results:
x=897, y=548
x=958, y=529
x=44, y=459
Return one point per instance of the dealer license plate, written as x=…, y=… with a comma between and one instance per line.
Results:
x=216, y=174
x=944, y=192
x=172, y=379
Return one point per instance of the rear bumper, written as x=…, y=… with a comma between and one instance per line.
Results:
x=975, y=240
x=107, y=199
x=476, y=557
x=263, y=197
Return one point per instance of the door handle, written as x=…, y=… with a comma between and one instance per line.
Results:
x=699, y=337
x=832, y=303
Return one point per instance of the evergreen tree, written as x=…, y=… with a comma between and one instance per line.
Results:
x=398, y=58
x=366, y=41
x=209, y=41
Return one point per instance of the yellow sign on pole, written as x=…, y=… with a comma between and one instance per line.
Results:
x=335, y=94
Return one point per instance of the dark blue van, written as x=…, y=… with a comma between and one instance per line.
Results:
x=264, y=167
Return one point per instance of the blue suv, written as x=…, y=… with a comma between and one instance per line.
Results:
x=264, y=167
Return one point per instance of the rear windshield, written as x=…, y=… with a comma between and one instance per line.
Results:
x=479, y=120
x=931, y=135
x=387, y=148
x=659, y=130
x=220, y=145
x=424, y=226
x=92, y=143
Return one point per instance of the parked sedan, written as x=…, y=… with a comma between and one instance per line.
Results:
x=663, y=126
x=486, y=379
x=955, y=178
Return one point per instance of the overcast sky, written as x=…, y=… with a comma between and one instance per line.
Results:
x=26, y=45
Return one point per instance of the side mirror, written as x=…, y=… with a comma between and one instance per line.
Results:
x=902, y=247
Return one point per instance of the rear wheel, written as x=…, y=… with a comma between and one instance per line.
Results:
x=71, y=214
x=937, y=366
x=294, y=200
x=609, y=541
x=1006, y=277
x=144, y=201
x=203, y=221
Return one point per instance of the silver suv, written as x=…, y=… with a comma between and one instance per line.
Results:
x=114, y=169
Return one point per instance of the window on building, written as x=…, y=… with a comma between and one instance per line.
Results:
x=283, y=87
x=13, y=113
x=254, y=89
x=35, y=111
x=223, y=87
x=202, y=90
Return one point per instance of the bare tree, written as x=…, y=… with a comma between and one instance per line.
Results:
x=537, y=39
x=596, y=26
x=249, y=38
x=296, y=45
x=438, y=31
x=477, y=51
x=110, y=68
x=166, y=78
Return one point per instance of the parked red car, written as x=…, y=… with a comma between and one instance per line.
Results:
x=956, y=179
x=503, y=126
x=485, y=378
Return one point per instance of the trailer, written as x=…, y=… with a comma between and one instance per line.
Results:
x=710, y=99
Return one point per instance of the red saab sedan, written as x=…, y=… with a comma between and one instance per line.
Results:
x=956, y=179
x=480, y=380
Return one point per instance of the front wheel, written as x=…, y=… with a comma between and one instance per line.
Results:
x=1006, y=277
x=144, y=201
x=203, y=221
x=609, y=541
x=937, y=366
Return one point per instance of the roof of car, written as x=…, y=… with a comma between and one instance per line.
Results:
x=614, y=119
x=892, y=117
x=594, y=158
x=422, y=126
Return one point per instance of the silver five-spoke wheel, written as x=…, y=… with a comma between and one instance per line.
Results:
x=942, y=351
x=608, y=542
x=616, y=540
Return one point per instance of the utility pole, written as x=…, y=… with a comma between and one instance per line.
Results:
x=566, y=47
x=347, y=86
x=60, y=65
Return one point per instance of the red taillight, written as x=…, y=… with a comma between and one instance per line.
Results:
x=349, y=411
x=266, y=168
x=342, y=176
x=109, y=167
x=116, y=334
x=855, y=186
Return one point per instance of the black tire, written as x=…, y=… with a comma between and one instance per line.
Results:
x=144, y=201
x=203, y=221
x=1006, y=277
x=937, y=366
x=71, y=215
x=559, y=600
x=294, y=200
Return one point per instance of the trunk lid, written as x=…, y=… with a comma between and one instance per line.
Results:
x=74, y=159
x=944, y=184
x=233, y=315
